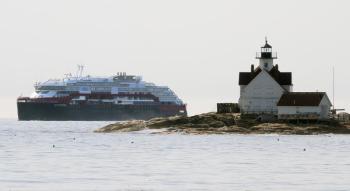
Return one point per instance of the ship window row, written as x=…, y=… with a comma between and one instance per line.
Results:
x=50, y=88
x=99, y=84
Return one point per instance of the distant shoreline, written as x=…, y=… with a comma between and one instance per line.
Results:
x=213, y=123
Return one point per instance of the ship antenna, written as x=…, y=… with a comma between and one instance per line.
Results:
x=81, y=70
x=77, y=73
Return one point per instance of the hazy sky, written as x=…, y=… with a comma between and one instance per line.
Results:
x=196, y=47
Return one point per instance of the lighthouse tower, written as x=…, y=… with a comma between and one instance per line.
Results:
x=266, y=57
x=262, y=87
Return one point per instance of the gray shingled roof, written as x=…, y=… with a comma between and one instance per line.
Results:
x=282, y=78
x=301, y=99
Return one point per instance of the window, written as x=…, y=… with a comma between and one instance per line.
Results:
x=265, y=65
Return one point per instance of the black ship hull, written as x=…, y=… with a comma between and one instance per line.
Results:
x=95, y=112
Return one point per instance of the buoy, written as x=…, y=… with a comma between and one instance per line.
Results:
x=132, y=142
x=304, y=149
x=53, y=146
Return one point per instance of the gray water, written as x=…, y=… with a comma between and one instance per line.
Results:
x=69, y=156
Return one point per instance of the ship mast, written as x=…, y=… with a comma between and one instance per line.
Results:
x=79, y=73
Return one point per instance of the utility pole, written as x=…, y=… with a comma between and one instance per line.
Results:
x=333, y=89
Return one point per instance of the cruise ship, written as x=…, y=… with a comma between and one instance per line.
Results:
x=86, y=98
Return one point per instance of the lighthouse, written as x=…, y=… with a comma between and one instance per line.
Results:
x=262, y=87
x=266, y=57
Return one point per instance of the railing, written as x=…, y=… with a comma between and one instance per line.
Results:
x=301, y=116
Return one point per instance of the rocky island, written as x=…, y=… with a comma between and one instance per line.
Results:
x=227, y=123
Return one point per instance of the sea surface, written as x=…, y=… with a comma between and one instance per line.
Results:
x=69, y=156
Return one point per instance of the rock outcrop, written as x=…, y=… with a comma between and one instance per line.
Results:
x=213, y=123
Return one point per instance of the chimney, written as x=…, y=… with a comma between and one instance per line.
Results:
x=252, y=68
x=276, y=67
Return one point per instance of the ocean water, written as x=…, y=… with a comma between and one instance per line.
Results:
x=69, y=156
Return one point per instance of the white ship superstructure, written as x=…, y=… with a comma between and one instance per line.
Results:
x=119, y=84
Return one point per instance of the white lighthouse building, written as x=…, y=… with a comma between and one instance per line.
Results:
x=263, y=86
